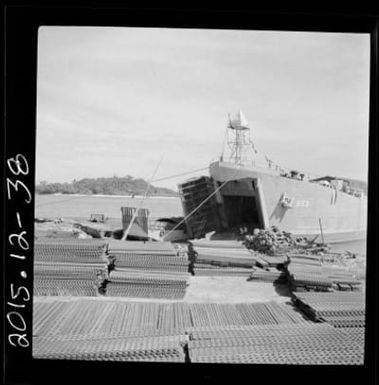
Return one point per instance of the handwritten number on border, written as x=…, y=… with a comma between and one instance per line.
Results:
x=16, y=161
x=14, y=296
x=14, y=185
x=22, y=242
x=18, y=166
x=21, y=337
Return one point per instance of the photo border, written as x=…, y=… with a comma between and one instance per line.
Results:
x=20, y=46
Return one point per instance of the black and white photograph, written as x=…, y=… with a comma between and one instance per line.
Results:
x=201, y=195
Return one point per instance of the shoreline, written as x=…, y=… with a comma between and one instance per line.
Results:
x=109, y=196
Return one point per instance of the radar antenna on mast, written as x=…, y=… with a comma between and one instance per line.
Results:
x=238, y=137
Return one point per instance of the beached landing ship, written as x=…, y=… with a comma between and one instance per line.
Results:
x=244, y=192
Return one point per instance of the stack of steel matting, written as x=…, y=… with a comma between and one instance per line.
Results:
x=68, y=287
x=134, y=331
x=101, y=330
x=341, y=277
x=310, y=273
x=147, y=255
x=84, y=318
x=224, y=253
x=150, y=262
x=307, y=273
x=140, y=283
x=221, y=244
x=156, y=349
x=147, y=269
x=215, y=314
x=139, y=247
x=202, y=269
x=68, y=270
x=267, y=275
x=341, y=309
x=106, y=329
x=107, y=318
x=68, y=279
x=69, y=250
x=310, y=344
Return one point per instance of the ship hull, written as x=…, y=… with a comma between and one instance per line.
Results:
x=315, y=210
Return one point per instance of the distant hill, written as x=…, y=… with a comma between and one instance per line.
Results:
x=108, y=186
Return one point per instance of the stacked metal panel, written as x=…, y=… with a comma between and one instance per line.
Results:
x=219, y=244
x=120, y=349
x=147, y=269
x=307, y=273
x=107, y=318
x=106, y=330
x=202, y=269
x=232, y=333
x=212, y=315
x=303, y=344
x=340, y=309
x=341, y=278
x=63, y=279
x=229, y=255
x=69, y=267
x=140, y=283
x=147, y=255
x=221, y=258
x=268, y=275
x=69, y=250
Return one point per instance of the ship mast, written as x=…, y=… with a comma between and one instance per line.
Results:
x=238, y=137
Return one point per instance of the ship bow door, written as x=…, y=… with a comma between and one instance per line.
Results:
x=243, y=199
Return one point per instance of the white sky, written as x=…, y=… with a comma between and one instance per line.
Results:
x=114, y=100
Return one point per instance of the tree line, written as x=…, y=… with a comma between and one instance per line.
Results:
x=107, y=186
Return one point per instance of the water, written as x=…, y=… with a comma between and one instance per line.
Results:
x=82, y=206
